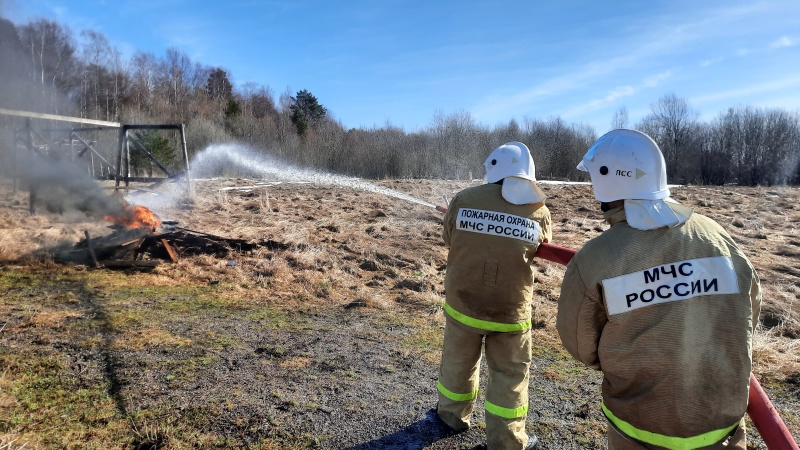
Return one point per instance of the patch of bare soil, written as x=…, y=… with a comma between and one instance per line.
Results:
x=352, y=359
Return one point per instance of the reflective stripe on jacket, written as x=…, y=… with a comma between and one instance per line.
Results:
x=671, y=442
x=668, y=316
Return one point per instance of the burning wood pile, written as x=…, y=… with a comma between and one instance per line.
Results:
x=141, y=240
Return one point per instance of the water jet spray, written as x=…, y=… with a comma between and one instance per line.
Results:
x=236, y=159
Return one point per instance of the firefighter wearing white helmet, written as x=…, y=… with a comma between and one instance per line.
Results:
x=664, y=303
x=493, y=231
x=627, y=164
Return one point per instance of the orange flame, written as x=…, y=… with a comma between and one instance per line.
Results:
x=135, y=216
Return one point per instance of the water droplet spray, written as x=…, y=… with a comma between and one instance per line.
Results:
x=236, y=160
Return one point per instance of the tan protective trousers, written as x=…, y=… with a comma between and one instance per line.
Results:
x=508, y=357
x=617, y=440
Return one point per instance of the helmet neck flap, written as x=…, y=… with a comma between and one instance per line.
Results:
x=512, y=162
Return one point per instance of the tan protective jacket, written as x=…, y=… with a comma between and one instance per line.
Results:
x=668, y=316
x=489, y=280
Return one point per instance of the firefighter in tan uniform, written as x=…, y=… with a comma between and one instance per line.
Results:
x=493, y=231
x=664, y=303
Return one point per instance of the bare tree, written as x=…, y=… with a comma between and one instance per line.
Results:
x=673, y=125
x=508, y=132
x=779, y=145
x=143, y=80
x=620, y=119
x=52, y=58
x=752, y=146
x=455, y=146
x=288, y=139
x=15, y=70
x=98, y=80
x=557, y=147
x=259, y=116
x=716, y=159
x=175, y=78
x=219, y=87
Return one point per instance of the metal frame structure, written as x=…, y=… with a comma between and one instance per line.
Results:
x=25, y=137
x=124, y=148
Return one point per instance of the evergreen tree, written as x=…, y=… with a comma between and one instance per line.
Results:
x=232, y=109
x=158, y=145
x=218, y=86
x=306, y=111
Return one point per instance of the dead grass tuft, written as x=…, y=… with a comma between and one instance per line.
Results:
x=775, y=356
x=55, y=320
x=299, y=362
x=10, y=441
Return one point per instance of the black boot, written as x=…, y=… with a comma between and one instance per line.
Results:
x=533, y=441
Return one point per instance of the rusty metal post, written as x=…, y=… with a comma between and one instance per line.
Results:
x=119, y=157
x=186, y=160
x=127, y=162
x=32, y=178
x=15, y=162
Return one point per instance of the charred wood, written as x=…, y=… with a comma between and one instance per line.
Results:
x=171, y=243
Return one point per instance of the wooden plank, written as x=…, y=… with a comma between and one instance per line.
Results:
x=172, y=254
x=137, y=241
x=91, y=248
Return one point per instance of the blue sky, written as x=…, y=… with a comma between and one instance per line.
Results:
x=402, y=62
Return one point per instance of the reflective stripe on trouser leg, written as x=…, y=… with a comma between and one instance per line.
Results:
x=508, y=356
x=458, y=375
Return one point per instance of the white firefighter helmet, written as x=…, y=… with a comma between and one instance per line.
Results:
x=512, y=162
x=628, y=165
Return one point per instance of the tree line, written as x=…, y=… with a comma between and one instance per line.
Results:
x=46, y=68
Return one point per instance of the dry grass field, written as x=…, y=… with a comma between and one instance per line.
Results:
x=327, y=337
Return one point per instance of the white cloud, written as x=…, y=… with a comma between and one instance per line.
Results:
x=612, y=97
x=554, y=87
x=190, y=36
x=598, y=103
x=784, y=41
x=616, y=94
x=624, y=91
x=711, y=62
x=732, y=95
x=635, y=52
x=655, y=80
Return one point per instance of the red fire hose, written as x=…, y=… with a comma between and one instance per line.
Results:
x=765, y=417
